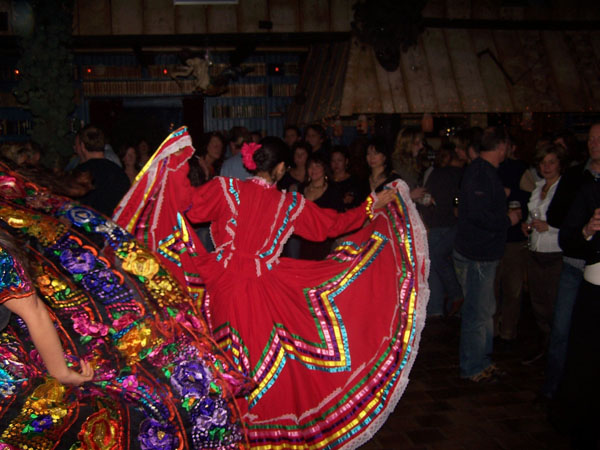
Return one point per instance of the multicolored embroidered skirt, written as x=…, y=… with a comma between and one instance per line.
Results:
x=160, y=380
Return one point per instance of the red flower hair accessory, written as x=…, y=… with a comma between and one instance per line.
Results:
x=247, y=154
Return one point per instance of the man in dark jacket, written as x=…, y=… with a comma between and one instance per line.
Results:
x=483, y=221
x=109, y=180
x=576, y=402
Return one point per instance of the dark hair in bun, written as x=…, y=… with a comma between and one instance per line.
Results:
x=272, y=151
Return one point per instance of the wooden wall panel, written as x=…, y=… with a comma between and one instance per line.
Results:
x=511, y=57
x=190, y=19
x=6, y=7
x=384, y=87
x=363, y=84
x=595, y=42
x=435, y=8
x=398, y=88
x=484, y=9
x=564, y=10
x=314, y=15
x=341, y=14
x=357, y=55
x=537, y=13
x=127, y=16
x=540, y=72
x=458, y=9
x=284, y=15
x=221, y=19
x=587, y=65
x=567, y=79
x=494, y=81
x=440, y=67
x=93, y=17
x=415, y=72
x=466, y=71
x=511, y=13
x=250, y=13
x=159, y=17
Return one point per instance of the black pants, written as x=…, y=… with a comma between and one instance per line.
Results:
x=576, y=409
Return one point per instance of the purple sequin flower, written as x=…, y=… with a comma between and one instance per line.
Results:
x=190, y=378
x=155, y=435
x=212, y=426
x=42, y=423
x=77, y=260
x=104, y=279
x=209, y=412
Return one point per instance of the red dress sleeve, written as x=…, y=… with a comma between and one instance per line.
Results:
x=318, y=224
x=13, y=281
x=206, y=202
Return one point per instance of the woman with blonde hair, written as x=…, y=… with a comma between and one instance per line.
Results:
x=409, y=143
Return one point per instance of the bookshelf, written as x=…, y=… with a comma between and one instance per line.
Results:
x=260, y=99
x=15, y=121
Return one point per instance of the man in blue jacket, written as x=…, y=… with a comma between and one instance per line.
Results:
x=483, y=221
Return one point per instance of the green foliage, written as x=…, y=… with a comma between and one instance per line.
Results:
x=46, y=85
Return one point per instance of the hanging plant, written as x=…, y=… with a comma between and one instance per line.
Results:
x=46, y=83
x=389, y=26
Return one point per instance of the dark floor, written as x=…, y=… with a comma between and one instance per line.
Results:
x=441, y=411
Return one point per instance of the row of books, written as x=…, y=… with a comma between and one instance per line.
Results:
x=101, y=72
x=253, y=69
x=238, y=111
x=14, y=127
x=111, y=72
x=8, y=73
x=246, y=90
x=178, y=87
x=137, y=88
x=257, y=69
x=283, y=90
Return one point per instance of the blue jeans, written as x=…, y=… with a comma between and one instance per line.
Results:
x=477, y=314
x=568, y=286
x=442, y=277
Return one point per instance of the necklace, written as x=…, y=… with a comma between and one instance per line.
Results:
x=262, y=182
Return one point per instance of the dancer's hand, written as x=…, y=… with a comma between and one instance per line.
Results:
x=74, y=378
x=384, y=197
x=417, y=193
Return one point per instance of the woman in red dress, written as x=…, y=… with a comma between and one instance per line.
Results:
x=328, y=343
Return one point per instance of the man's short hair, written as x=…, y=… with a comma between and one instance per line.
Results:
x=92, y=137
x=492, y=138
x=294, y=128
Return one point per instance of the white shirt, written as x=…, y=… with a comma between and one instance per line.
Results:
x=547, y=241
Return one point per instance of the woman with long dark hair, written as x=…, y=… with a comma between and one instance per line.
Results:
x=207, y=160
x=328, y=343
x=296, y=174
x=319, y=190
x=341, y=179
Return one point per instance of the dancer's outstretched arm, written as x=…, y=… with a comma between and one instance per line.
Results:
x=45, y=338
x=318, y=224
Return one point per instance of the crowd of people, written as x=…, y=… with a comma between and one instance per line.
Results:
x=500, y=231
